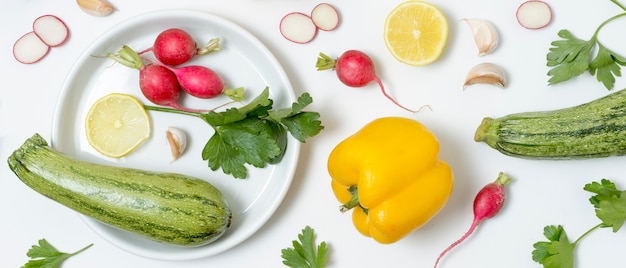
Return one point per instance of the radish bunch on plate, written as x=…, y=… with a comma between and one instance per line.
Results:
x=301, y=28
x=48, y=31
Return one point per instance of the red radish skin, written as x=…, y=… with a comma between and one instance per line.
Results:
x=487, y=203
x=355, y=69
x=157, y=83
x=325, y=17
x=534, y=14
x=298, y=27
x=51, y=30
x=175, y=46
x=29, y=49
x=199, y=81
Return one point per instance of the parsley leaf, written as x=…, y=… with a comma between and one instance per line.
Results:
x=570, y=56
x=46, y=256
x=610, y=205
x=558, y=252
x=304, y=253
x=609, y=202
x=253, y=134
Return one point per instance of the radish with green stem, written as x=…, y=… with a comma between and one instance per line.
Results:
x=157, y=83
x=487, y=203
x=355, y=69
x=175, y=46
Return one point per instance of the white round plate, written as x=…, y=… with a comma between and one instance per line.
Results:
x=242, y=61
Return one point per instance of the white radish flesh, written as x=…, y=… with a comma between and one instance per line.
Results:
x=325, y=17
x=29, y=48
x=298, y=28
x=51, y=30
x=534, y=14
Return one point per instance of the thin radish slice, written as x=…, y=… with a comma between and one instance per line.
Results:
x=29, y=48
x=298, y=28
x=51, y=30
x=325, y=17
x=534, y=14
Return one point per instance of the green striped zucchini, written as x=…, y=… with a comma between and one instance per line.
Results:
x=590, y=130
x=166, y=207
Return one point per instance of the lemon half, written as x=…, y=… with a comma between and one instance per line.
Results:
x=116, y=124
x=416, y=32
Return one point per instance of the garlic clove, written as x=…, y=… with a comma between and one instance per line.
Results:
x=177, y=139
x=485, y=35
x=485, y=73
x=98, y=8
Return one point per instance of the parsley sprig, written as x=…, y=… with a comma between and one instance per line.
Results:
x=253, y=134
x=610, y=207
x=571, y=56
x=46, y=256
x=304, y=253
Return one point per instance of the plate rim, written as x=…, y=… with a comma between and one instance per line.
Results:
x=247, y=35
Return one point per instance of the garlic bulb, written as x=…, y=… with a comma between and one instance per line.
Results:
x=98, y=8
x=485, y=35
x=485, y=73
x=177, y=139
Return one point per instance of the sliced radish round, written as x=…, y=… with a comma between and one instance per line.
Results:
x=298, y=27
x=29, y=48
x=325, y=17
x=51, y=30
x=534, y=14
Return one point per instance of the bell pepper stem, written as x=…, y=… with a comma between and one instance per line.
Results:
x=353, y=202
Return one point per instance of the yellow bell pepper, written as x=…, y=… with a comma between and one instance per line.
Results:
x=389, y=172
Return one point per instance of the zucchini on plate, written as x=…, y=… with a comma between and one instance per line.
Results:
x=166, y=207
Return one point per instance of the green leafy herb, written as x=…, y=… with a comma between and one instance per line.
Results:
x=253, y=134
x=571, y=57
x=610, y=206
x=304, y=253
x=46, y=256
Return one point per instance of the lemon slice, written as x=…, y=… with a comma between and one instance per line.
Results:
x=416, y=32
x=116, y=124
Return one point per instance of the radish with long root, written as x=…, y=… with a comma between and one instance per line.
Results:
x=534, y=14
x=487, y=203
x=175, y=46
x=355, y=69
x=157, y=83
x=48, y=31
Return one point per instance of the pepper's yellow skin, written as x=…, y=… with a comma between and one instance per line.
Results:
x=401, y=183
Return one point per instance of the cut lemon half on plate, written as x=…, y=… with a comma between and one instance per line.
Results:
x=116, y=124
x=416, y=32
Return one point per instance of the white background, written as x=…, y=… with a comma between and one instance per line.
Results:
x=542, y=193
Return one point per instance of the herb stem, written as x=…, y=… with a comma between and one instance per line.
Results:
x=586, y=233
x=171, y=110
x=81, y=250
x=619, y=4
x=595, y=34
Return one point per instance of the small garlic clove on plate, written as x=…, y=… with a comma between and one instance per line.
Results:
x=98, y=8
x=177, y=139
x=485, y=73
x=485, y=35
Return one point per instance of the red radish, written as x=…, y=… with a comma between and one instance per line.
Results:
x=175, y=46
x=157, y=83
x=201, y=82
x=51, y=30
x=487, y=204
x=354, y=69
x=29, y=48
x=298, y=27
x=534, y=14
x=325, y=17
